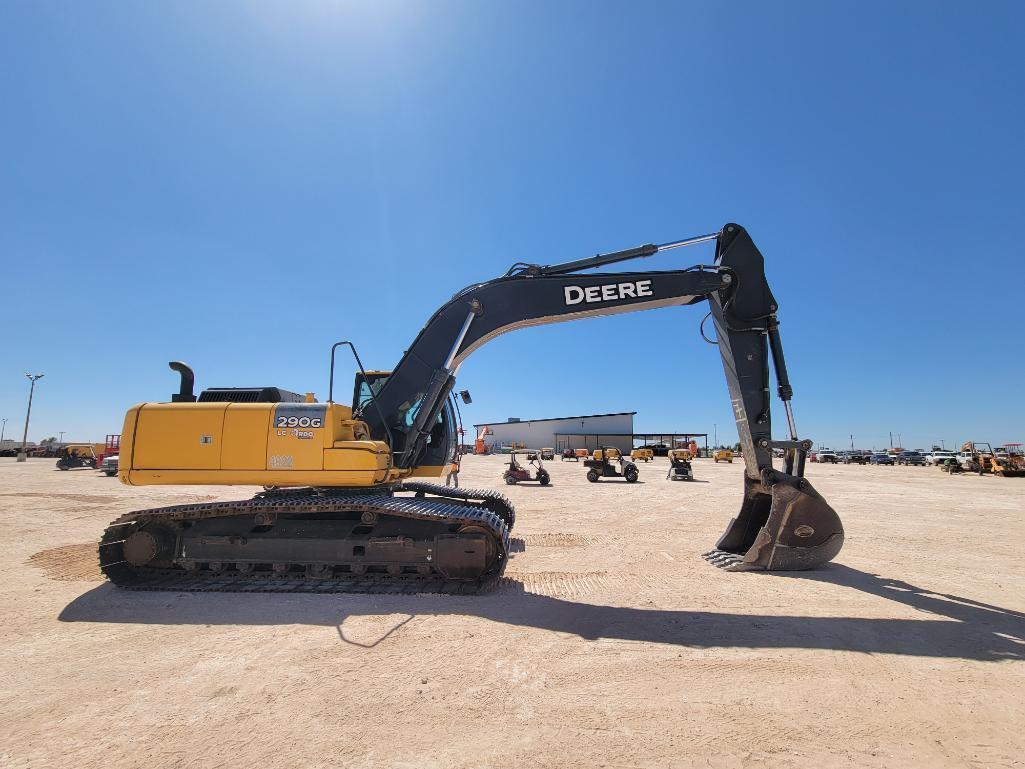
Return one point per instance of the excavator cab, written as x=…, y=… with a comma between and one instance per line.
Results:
x=441, y=438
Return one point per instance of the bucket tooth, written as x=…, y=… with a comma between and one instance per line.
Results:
x=787, y=526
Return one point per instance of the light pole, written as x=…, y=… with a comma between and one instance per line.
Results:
x=24, y=438
x=3, y=429
x=715, y=435
x=61, y=442
x=852, y=443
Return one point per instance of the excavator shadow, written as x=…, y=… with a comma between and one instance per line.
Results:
x=955, y=627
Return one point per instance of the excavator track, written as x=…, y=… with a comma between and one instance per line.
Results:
x=313, y=541
x=494, y=501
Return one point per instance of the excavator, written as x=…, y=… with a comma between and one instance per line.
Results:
x=346, y=506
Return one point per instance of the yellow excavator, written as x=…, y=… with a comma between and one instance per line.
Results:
x=346, y=507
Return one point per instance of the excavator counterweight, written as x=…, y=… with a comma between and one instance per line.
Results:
x=343, y=509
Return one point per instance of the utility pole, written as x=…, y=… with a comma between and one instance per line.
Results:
x=22, y=456
x=891, y=439
x=61, y=442
x=3, y=429
x=715, y=435
x=852, y=443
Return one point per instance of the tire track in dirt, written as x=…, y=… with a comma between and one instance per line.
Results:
x=556, y=584
x=566, y=584
x=555, y=539
x=69, y=563
x=94, y=499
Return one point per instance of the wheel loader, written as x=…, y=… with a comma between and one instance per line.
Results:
x=348, y=505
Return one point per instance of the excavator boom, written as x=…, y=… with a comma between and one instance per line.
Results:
x=783, y=522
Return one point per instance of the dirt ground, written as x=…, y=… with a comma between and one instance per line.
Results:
x=611, y=643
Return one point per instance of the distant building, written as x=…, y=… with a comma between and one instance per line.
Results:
x=581, y=432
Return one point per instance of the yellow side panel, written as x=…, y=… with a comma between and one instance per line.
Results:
x=184, y=436
x=429, y=471
x=338, y=415
x=127, y=441
x=255, y=477
x=245, y=436
x=298, y=436
x=357, y=455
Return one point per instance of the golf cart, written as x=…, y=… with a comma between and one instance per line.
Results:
x=77, y=456
x=679, y=466
x=608, y=462
x=570, y=454
x=516, y=472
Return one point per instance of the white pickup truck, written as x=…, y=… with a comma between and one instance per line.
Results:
x=109, y=466
x=939, y=457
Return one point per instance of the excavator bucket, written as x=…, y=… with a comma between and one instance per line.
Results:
x=787, y=527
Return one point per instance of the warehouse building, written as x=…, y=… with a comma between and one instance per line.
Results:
x=581, y=432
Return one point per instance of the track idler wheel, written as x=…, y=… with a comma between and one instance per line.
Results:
x=144, y=546
x=785, y=526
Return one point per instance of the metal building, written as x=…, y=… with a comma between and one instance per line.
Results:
x=582, y=432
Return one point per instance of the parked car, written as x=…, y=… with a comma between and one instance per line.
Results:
x=723, y=455
x=910, y=458
x=855, y=458
x=966, y=459
x=109, y=466
x=881, y=459
x=937, y=457
x=828, y=456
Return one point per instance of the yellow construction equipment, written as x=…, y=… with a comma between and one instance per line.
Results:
x=1008, y=461
x=723, y=455
x=979, y=457
x=343, y=508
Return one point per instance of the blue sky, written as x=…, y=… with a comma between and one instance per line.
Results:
x=239, y=185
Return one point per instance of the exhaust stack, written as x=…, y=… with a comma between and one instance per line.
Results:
x=186, y=392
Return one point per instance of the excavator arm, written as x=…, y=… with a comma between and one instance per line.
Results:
x=783, y=523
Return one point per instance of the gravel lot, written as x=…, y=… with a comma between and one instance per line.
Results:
x=611, y=643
